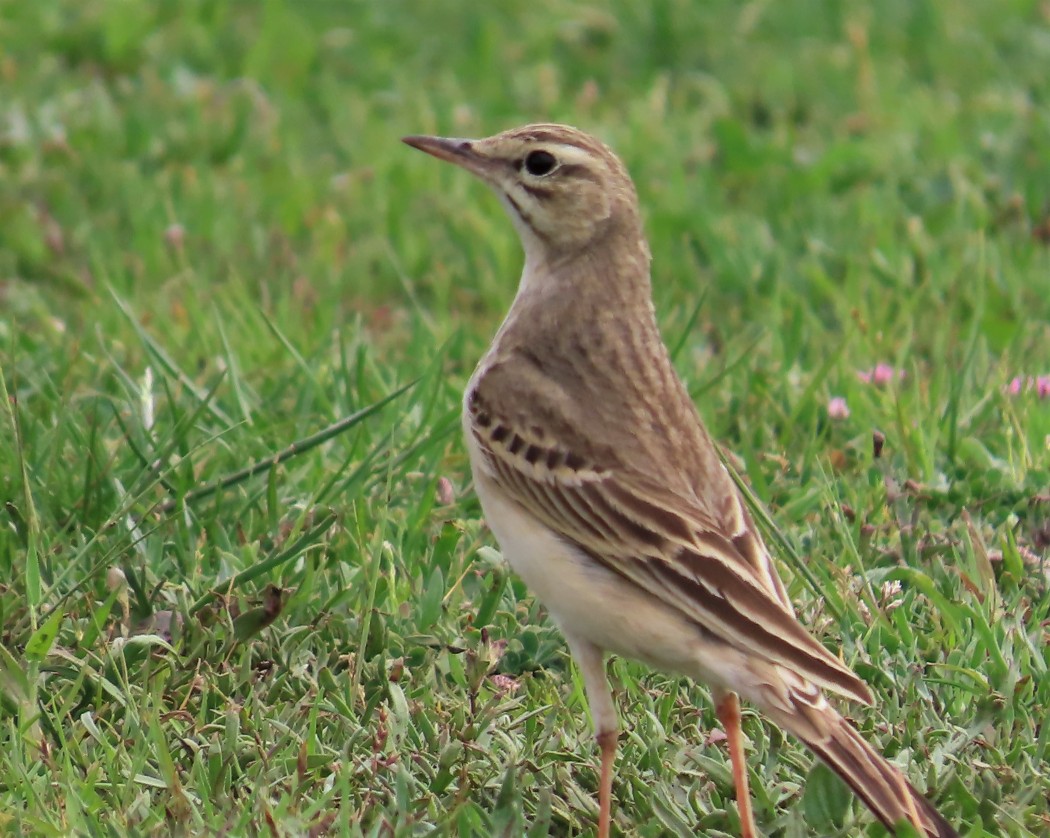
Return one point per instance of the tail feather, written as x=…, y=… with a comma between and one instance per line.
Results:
x=882, y=787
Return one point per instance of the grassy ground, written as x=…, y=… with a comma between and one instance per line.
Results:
x=212, y=246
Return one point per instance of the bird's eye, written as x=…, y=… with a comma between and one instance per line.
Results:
x=540, y=163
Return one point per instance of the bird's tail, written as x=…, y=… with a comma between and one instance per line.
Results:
x=881, y=786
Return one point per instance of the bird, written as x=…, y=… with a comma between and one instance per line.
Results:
x=607, y=494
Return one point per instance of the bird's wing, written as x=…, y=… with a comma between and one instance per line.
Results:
x=652, y=535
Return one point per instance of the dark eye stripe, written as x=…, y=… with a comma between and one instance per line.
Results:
x=537, y=191
x=577, y=170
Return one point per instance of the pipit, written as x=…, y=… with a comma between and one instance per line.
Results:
x=606, y=493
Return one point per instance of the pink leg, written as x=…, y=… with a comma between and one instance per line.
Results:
x=589, y=659
x=727, y=707
x=607, y=742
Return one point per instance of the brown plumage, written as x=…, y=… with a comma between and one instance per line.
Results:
x=607, y=494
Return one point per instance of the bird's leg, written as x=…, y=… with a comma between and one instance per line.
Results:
x=590, y=660
x=607, y=743
x=727, y=706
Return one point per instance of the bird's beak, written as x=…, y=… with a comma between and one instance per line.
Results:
x=460, y=152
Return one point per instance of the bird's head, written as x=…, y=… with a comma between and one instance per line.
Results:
x=565, y=191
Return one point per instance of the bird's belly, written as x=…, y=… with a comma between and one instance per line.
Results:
x=588, y=601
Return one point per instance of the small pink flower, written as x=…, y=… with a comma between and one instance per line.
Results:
x=716, y=735
x=837, y=408
x=880, y=375
x=446, y=494
x=883, y=374
x=505, y=684
x=1026, y=383
x=175, y=236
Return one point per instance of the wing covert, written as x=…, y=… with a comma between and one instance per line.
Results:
x=652, y=535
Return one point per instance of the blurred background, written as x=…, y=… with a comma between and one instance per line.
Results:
x=213, y=245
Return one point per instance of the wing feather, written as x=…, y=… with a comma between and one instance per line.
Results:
x=662, y=542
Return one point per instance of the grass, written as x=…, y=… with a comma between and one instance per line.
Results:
x=212, y=247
